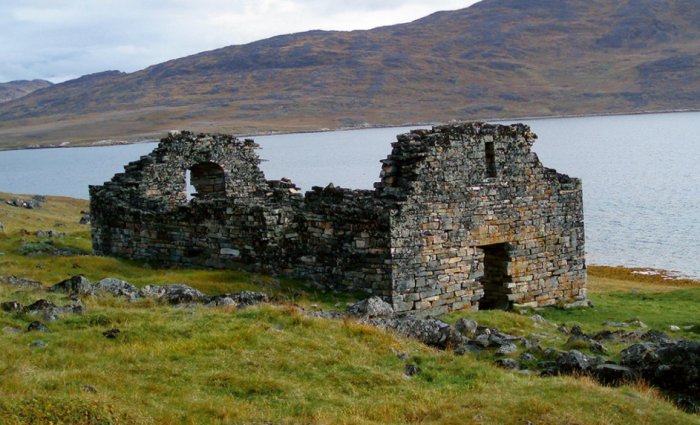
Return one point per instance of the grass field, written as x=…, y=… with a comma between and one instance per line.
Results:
x=273, y=364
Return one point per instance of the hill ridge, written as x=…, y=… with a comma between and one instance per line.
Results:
x=495, y=59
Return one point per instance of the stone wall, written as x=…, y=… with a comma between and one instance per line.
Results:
x=463, y=215
x=466, y=216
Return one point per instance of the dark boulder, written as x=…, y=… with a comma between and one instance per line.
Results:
x=76, y=285
x=40, y=305
x=111, y=333
x=572, y=362
x=50, y=311
x=672, y=366
x=613, y=374
x=37, y=326
x=412, y=370
x=656, y=337
x=11, y=306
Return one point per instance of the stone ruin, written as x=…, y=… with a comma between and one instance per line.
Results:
x=465, y=216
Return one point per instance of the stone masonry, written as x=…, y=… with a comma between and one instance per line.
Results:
x=465, y=216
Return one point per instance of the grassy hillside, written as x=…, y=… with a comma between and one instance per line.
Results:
x=274, y=364
x=495, y=59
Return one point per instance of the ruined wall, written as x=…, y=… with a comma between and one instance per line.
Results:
x=481, y=220
x=465, y=216
x=238, y=219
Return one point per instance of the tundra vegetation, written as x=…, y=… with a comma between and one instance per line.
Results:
x=274, y=362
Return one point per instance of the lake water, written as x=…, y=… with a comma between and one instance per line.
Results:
x=641, y=176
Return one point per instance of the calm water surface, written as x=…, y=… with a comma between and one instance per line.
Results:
x=641, y=176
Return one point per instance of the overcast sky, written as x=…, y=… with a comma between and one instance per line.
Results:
x=62, y=39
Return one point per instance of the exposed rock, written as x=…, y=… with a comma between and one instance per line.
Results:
x=597, y=347
x=39, y=344
x=48, y=234
x=11, y=330
x=40, y=305
x=88, y=388
x=221, y=301
x=538, y=319
x=672, y=366
x=78, y=285
x=117, y=288
x=50, y=311
x=657, y=337
x=527, y=357
x=11, y=306
x=573, y=361
x=412, y=370
x=20, y=282
x=639, y=355
x=616, y=324
x=24, y=203
x=674, y=328
x=111, y=333
x=2, y=228
x=37, y=326
x=178, y=293
x=506, y=349
x=329, y=315
x=85, y=219
x=152, y=291
x=613, y=374
x=576, y=330
x=371, y=308
x=429, y=331
x=507, y=363
x=638, y=323
x=467, y=327
x=248, y=298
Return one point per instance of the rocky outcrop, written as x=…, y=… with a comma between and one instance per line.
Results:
x=76, y=285
x=20, y=282
x=116, y=288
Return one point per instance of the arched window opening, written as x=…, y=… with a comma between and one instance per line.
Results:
x=205, y=180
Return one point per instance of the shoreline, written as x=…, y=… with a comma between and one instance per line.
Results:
x=145, y=139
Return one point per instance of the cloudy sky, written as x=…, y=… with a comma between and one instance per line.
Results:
x=62, y=39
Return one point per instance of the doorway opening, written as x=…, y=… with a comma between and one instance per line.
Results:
x=496, y=277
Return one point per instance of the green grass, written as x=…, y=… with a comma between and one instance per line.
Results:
x=272, y=364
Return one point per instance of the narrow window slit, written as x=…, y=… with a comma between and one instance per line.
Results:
x=490, y=159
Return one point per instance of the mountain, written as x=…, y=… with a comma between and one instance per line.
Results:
x=16, y=89
x=497, y=58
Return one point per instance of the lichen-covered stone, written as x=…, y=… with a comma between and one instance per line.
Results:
x=465, y=216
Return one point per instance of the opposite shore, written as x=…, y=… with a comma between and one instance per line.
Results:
x=155, y=136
